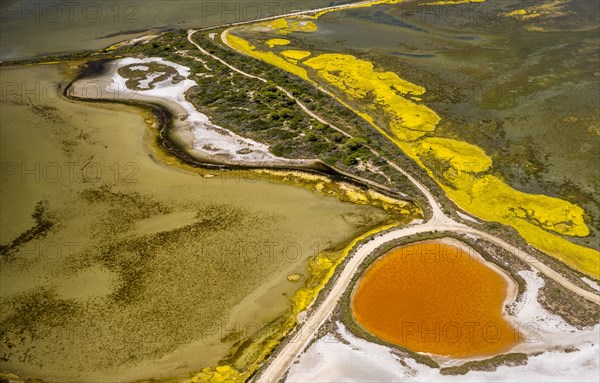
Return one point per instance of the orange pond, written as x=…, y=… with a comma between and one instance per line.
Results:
x=434, y=297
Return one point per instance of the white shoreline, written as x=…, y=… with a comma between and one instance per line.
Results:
x=193, y=129
x=356, y=360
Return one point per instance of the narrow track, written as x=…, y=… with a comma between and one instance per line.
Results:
x=275, y=369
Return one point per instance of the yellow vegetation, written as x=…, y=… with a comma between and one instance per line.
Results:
x=407, y=120
x=321, y=268
x=460, y=168
x=533, y=216
x=273, y=42
x=517, y=12
x=523, y=14
x=453, y=2
x=355, y=195
x=358, y=5
x=547, y=10
x=285, y=26
x=221, y=374
x=461, y=156
x=456, y=163
x=115, y=46
x=294, y=277
x=295, y=54
x=269, y=57
x=343, y=191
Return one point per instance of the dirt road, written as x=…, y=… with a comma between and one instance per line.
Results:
x=439, y=222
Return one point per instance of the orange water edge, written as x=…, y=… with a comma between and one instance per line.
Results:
x=437, y=298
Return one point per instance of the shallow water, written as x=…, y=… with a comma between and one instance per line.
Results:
x=33, y=28
x=148, y=270
x=519, y=95
x=500, y=89
x=437, y=298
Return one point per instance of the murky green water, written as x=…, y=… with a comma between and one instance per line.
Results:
x=528, y=98
x=131, y=268
x=33, y=28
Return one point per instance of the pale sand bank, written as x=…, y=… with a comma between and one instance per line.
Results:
x=192, y=130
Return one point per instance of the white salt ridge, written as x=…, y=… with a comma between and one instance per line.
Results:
x=529, y=310
x=329, y=360
x=139, y=67
x=591, y=283
x=208, y=138
x=145, y=83
x=467, y=217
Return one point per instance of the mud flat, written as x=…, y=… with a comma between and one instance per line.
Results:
x=117, y=266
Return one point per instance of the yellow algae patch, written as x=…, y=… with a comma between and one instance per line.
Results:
x=533, y=216
x=491, y=197
x=523, y=14
x=321, y=268
x=344, y=191
x=355, y=195
x=550, y=9
x=115, y=46
x=354, y=75
x=269, y=57
x=221, y=374
x=517, y=12
x=285, y=26
x=358, y=78
x=388, y=203
x=462, y=156
x=498, y=201
x=295, y=54
x=273, y=42
x=276, y=24
x=302, y=26
x=463, y=166
x=294, y=277
x=453, y=2
x=460, y=169
x=358, y=5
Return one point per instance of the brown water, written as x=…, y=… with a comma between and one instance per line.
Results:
x=148, y=270
x=437, y=298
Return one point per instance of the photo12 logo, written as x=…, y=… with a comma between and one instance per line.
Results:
x=433, y=12
x=469, y=332
x=68, y=172
x=40, y=93
x=502, y=94
x=51, y=12
x=227, y=12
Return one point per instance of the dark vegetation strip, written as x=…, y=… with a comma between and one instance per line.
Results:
x=43, y=225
